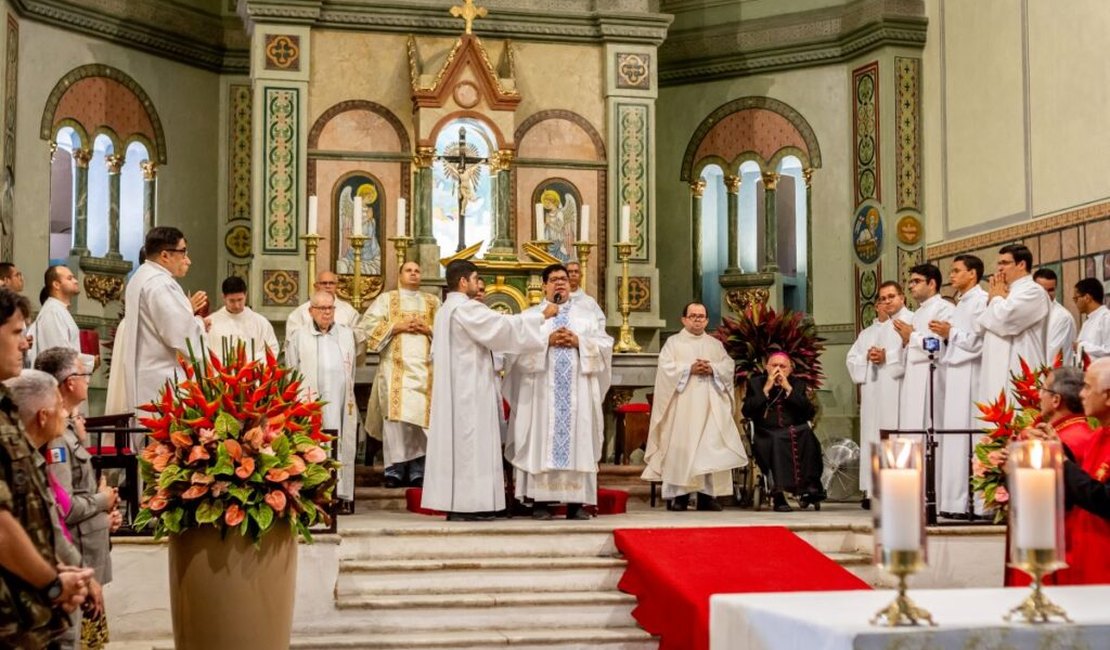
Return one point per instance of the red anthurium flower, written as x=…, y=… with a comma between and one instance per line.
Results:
x=277, y=475
x=276, y=500
x=159, y=463
x=245, y=468
x=197, y=453
x=157, y=503
x=234, y=515
x=296, y=465
x=315, y=455
x=195, y=492
x=294, y=488
x=200, y=478
x=181, y=439
x=254, y=437
x=234, y=449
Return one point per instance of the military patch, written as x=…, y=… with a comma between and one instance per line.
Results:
x=57, y=455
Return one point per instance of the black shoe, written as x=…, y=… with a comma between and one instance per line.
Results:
x=541, y=512
x=469, y=516
x=346, y=507
x=959, y=516
x=679, y=504
x=780, y=503
x=865, y=504
x=576, y=511
x=706, y=502
x=393, y=482
x=417, y=482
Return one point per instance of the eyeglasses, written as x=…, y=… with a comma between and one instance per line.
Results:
x=696, y=317
x=1048, y=390
x=323, y=308
x=86, y=375
x=327, y=283
x=182, y=251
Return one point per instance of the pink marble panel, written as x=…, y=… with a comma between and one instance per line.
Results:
x=1050, y=248
x=359, y=130
x=557, y=139
x=1069, y=243
x=755, y=129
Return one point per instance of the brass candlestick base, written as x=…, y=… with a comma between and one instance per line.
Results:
x=1037, y=608
x=582, y=248
x=902, y=611
x=311, y=243
x=626, y=342
x=401, y=248
x=357, y=242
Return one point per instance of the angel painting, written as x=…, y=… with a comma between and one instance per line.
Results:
x=560, y=200
x=367, y=188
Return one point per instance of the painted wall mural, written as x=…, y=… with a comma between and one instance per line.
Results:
x=865, y=128
x=281, y=114
x=632, y=120
x=907, y=124
x=867, y=226
x=562, y=203
x=358, y=184
x=867, y=233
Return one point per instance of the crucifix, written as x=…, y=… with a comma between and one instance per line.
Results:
x=463, y=163
x=468, y=12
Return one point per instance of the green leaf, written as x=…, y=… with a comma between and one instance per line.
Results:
x=265, y=463
x=281, y=449
x=209, y=511
x=310, y=511
x=227, y=426
x=243, y=494
x=171, y=519
x=263, y=515
x=223, y=466
x=314, y=475
x=301, y=439
x=171, y=475
x=143, y=519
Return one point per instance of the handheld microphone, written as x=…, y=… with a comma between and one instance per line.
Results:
x=559, y=298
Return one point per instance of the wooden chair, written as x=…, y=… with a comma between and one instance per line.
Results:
x=115, y=444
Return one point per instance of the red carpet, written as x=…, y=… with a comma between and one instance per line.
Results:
x=673, y=572
x=609, y=502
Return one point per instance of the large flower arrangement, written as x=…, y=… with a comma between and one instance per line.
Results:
x=234, y=447
x=759, y=331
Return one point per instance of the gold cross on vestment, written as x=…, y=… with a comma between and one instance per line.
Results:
x=468, y=12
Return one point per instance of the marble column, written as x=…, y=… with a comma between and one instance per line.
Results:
x=81, y=158
x=115, y=164
x=732, y=189
x=697, y=188
x=770, y=223
x=807, y=174
x=150, y=178
x=422, y=195
x=502, y=246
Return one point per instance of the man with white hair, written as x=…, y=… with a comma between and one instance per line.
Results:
x=345, y=314
x=324, y=353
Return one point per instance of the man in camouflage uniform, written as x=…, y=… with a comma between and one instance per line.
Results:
x=36, y=592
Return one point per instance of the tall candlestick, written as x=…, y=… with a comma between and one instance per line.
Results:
x=540, y=230
x=356, y=220
x=402, y=218
x=584, y=229
x=626, y=218
x=901, y=509
x=312, y=214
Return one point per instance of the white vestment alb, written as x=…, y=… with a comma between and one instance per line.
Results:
x=914, y=410
x=115, y=398
x=556, y=428
x=248, y=326
x=1094, y=337
x=880, y=386
x=404, y=378
x=327, y=362
x=345, y=314
x=463, y=470
x=961, y=380
x=1061, y=334
x=161, y=325
x=693, y=442
x=1013, y=328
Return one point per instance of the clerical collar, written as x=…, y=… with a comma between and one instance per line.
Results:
x=689, y=333
x=316, y=327
x=408, y=292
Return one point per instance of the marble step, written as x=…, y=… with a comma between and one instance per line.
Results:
x=479, y=575
x=472, y=541
x=489, y=611
x=626, y=638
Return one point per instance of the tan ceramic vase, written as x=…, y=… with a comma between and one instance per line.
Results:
x=227, y=595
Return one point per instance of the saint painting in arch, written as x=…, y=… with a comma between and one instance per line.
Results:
x=561, y=201
x=366, y=186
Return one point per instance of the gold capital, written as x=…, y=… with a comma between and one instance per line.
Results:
x=697, y=188
x=807, y=174
x=150, y=169
x=770, y=180
x=501, y=160
x=82, y=157
x=114, y=162
x=732, y=184
x=424, y=157
x=469, y=13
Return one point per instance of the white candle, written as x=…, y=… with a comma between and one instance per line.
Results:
x=1034, y=497
x=540, y=234
x=402, y=218
x=900, y=496
x=626, y=218
x=312, y=214
x=356, y=220
x=584, y=233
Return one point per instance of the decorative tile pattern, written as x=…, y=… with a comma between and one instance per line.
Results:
x=283, y=52
x=280, y=170
x=867, y=293
x=634, y=71
x=238, y=240
x=1087, y=214
x=11, y=86
x=907, y=259
x=239, y=152
x=907, y=124
x=280, y=288
x=639, y=293
x=239, y=270
x=632, y=120
x=865, y=132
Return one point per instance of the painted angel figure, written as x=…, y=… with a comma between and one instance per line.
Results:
x=371, y=252
x=560, y=223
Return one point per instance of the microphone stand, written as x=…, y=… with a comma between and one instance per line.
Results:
x=930, y=450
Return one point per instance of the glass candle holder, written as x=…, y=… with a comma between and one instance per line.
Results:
x=1035, y=478
x=898, y=511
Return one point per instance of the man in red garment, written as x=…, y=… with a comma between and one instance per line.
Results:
x=1087, y=485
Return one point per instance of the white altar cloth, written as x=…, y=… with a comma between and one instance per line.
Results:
x=966, y=618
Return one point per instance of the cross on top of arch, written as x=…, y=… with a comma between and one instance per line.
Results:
x=469, y=13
